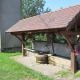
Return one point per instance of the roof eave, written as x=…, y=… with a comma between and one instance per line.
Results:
x=70, y=25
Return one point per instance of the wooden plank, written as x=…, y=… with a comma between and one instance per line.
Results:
x=70, y=32
x=15, y=33
x=38, y=31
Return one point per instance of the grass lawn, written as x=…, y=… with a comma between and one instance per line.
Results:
x=11, y=70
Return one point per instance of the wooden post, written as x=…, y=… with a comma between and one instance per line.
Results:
x=23, y=51
x=23, y=45
x=73, y=56
x=50, y=37
x=73, y=62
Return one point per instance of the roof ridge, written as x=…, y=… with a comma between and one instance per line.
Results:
x=52, y=20
x=54, y=11
x=69, y=7
x=62, y=9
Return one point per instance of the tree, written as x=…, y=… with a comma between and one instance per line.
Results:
x=33, y=7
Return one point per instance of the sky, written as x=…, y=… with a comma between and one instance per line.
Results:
x=58, y=4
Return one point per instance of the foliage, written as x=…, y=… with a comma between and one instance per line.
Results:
x=41, y=37
x=29, y=43
x=36, y=37
x=60, y=39
x=33, y=7
x=11, y=70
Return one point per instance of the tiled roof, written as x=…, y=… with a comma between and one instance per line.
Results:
x=51, y=20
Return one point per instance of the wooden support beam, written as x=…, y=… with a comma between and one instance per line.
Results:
x=67, y=39
x=15, y=33
x=23, y=51
x=18, y=38
x=72, y=45
x=50, y=39
x=23, y=42
x=70, y=32
x=73, y=62
x=73, y=55
x=37, y=31
x=23, y=45
x=78, y=29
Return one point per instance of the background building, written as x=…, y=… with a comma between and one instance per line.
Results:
x=10, y=13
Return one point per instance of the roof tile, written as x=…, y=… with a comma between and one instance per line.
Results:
x=50, y=20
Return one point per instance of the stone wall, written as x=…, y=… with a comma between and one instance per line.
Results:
x=59, y=49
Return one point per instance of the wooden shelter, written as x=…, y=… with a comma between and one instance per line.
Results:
x=64, y=21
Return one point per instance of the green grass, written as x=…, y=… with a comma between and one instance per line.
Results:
x=77, y=74
x=63, y=73
x=11, y=70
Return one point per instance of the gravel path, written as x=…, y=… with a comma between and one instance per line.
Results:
x=30, y=61
x=46, y=69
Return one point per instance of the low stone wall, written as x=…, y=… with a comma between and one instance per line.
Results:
x=53, y=60
x=59, y=49
x=61, y=62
